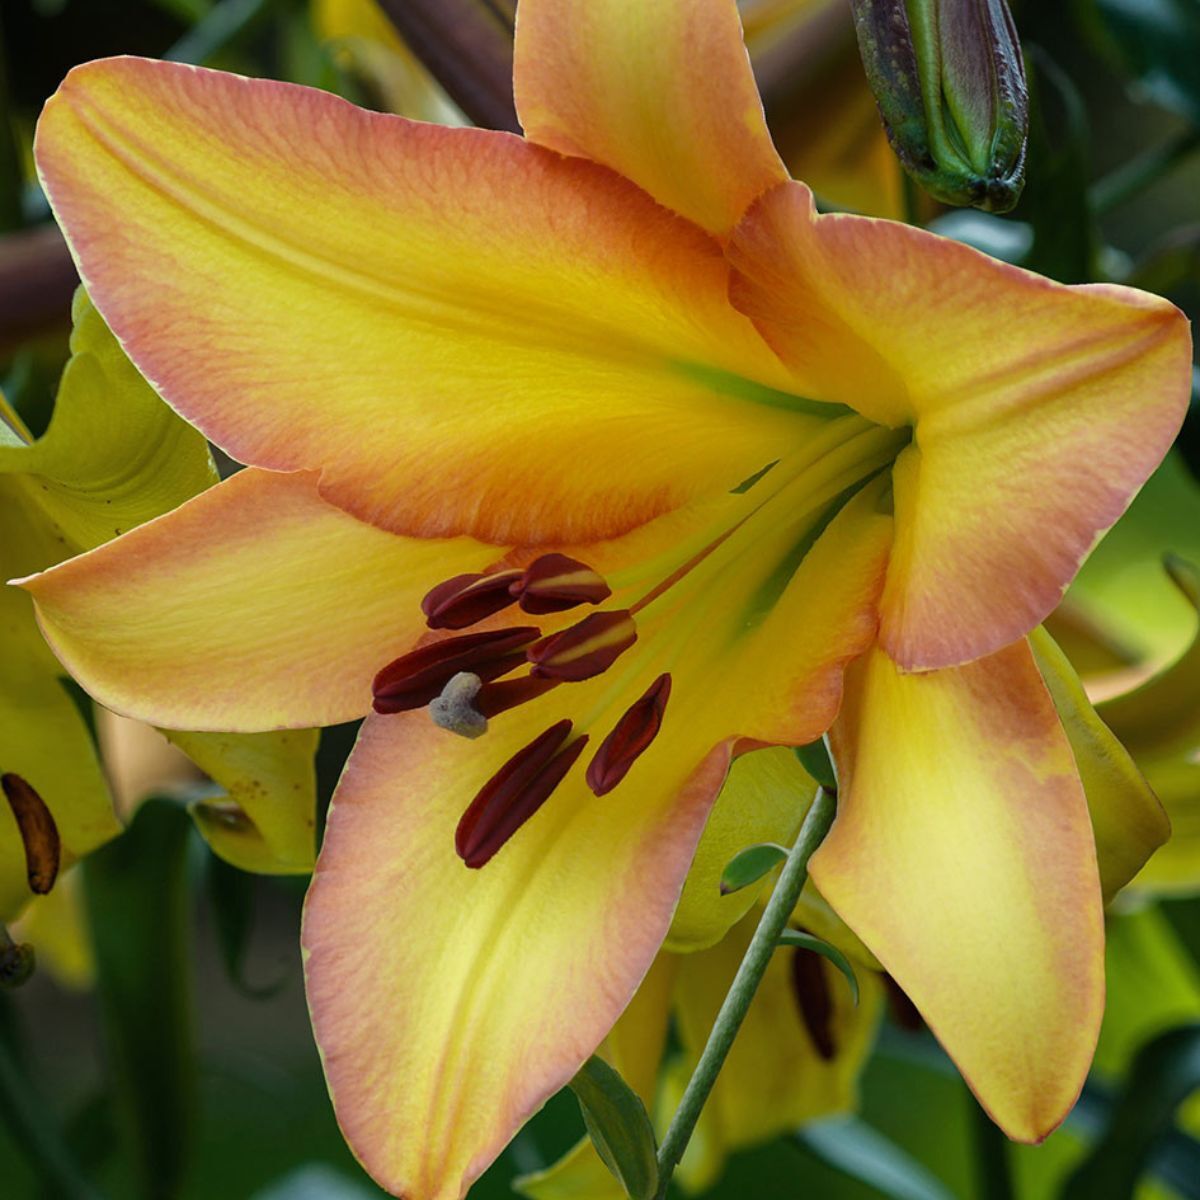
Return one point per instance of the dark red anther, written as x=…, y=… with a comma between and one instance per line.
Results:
x=814, y=1000
x=417, y=678
x=584, y=650
x=515, y=793
x=632, y=736
x=554, y=583
x=468, y=599
x=38, y=830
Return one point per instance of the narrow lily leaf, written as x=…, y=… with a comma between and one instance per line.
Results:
x=851, y=1146
x=750, y=865
x=806, y=941
x=231, y=894
x=814, y=758
x=617, y=1123
x=1158, y=44
x=137, y=891
x=1165, y=1072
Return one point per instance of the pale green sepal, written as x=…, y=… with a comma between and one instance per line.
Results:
x=114, y=455
x=1128, y=821
x=619, y=1127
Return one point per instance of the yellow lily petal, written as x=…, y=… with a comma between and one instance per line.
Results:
x=764, y=799
x=259, y=606
x=443, y=1026
x=662, y=93
x=1127, y=819
x=474, y=312
x=1026, y=446
x=774, y=1079
x=962, y=855
x=268, y=822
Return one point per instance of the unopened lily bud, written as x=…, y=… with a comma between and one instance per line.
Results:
x=950, y=84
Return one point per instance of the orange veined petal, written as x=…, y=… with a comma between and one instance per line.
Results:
x=1039, y=409
x=959, y=795
x=502, y=340
x=255, y=606
x=662, y=93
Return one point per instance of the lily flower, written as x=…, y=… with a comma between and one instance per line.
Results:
x=113, y=457
x=695, y=459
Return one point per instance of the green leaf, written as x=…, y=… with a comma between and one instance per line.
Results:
x=1165, y=1072
x=814, y=758
x=1055, y=202
x=854, y=1148
x=806, y=941
x=1156, y=42
x=137, y=898
x=231, y=893
x=617, y=1123
x=750, y=865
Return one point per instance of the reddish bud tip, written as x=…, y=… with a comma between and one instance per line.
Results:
x=632, y=736
x=415, y=679
x=466, y=600
x=515, y=793
x=814, y=1000
x=584, y=650
x=554, y=583
x=38, y=831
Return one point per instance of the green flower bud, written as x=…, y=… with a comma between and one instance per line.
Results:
x=950, y=84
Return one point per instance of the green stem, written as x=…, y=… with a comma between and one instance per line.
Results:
x=911, y=194
x=1139, y=173
x=35, y=1133
x=993, y=1168
x=745, y=984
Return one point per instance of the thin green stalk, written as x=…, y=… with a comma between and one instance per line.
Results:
x=745, y=984
x=1139, y=173
x=35, y=1133
x=993, y=1167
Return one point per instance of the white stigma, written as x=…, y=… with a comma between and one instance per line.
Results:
x=454, y=709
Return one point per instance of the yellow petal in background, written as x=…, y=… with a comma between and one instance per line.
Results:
x=775, y=1079
x=662, y=93
x=764, y=799
x=962, y=855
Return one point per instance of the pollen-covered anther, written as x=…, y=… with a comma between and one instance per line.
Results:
x=415, y=679
x=584, y=650
x=515, y=793
x=630, y=738
x=814, y=1000
x=554, y=583
x=466, y=600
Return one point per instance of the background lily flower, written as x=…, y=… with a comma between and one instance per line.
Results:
x=113, y=457
x=629, y=347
